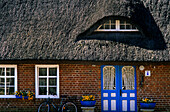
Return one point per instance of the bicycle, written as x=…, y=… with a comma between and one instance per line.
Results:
x=68, y=106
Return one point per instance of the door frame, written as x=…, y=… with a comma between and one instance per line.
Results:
x=118, y=70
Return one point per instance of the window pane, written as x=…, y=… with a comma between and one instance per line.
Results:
x=107, y=26
x=109, y=79
x=133, y=27
x=113, y=21
x=122, y=22
x=42, y=90
x=101, y=27
x=122, y=26
x=107, y=22
x=10, y=71
x=2, y=73
x=43, y=72
x=52, y=81
x=128, y=26
x=53, y=71
x=113, y=27
x=128, y=78
x=52, y=90
x=10, y=81
x=43, y=81
x=2, y=91
x=10, y=91
x=127, y=23
x=2, y=82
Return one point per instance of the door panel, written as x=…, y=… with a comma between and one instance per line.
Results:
x=118, y=88
x=109, y=93
x=109, y=79
x=128, y=78
x=127, y=88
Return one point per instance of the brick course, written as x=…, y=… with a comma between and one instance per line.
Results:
x=157, y=86
x=82, y=79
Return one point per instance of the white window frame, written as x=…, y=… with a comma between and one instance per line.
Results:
x=37, y=81
x=117, y=22
x=15, y=78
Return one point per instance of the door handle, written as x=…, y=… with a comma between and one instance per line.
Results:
x=120, y=92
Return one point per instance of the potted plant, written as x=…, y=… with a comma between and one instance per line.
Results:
x=18, y=95
x=88, y=100
x=24, y=95
x=147, y=103
x=30, y=95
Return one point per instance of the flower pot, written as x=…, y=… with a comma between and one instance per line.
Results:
x=20, y=97
x=25, y=97
x=147, y=105
x=88, y=103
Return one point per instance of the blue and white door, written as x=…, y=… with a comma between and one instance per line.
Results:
x=118, y=88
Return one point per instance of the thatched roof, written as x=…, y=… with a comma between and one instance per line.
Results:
x=57, y=29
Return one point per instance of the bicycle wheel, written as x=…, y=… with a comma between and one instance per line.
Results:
x=69, y=107
x=44, y=107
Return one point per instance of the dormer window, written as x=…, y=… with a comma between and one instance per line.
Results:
x=116, y=25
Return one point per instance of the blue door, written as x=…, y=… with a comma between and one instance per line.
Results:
x=118, y=88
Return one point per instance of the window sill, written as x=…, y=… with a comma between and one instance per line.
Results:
x=47, y=96
x=7, y=96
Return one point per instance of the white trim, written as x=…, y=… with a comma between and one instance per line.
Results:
x=7, y=96
x=36, y=81
x=47, y=76
x=47, y=80
x=47, y=96
x=5, y=80
x=7, y=76
x=8, y=66
x=58, y=84
x=15, y=78
x=36, y=89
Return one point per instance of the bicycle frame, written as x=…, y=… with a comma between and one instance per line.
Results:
x=56, y=107
x=51, y=105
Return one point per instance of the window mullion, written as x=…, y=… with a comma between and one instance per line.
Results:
x=117, y=25
x=109, y=24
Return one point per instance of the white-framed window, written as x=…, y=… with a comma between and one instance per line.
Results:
x=47, y=81
x=8, y=81
x=116, y=25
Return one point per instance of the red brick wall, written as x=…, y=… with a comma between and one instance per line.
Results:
x=79, y=79
x=74, y=80
x=157, y=86
x=26, y=77
x=26, y=81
